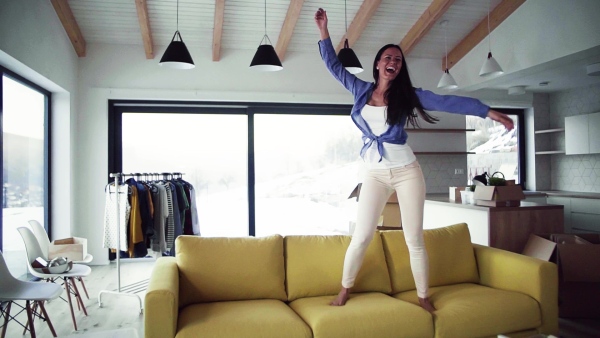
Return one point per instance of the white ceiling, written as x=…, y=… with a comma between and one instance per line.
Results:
x=116, y=22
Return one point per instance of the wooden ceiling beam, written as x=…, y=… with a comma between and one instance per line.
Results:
x=144, y=19
x=289, y=24
x=497, y=16
x=359, y=23
x=218, y=29
x=62, y=9
x=431, y=15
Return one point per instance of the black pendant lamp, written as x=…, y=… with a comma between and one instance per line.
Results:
x=266, y=58
x=346, y=55
x=177, y=55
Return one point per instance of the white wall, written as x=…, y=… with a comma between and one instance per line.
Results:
x=34, y=45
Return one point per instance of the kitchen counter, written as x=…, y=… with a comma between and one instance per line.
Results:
x=506, y=228
x=443, y=198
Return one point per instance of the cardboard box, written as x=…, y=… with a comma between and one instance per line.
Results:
x=74, y=248
x=499, y=196
x=578, y=260
x=391, y=210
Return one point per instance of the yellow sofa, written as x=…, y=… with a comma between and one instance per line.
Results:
x=281, y=287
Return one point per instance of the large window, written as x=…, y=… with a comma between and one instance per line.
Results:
x=257, y=169
x=495, y=149
x=24, y=109
x=306, y=166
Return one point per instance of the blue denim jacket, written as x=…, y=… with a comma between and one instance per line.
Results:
x=362, y=91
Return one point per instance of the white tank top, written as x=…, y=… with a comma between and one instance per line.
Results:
x=394, y=155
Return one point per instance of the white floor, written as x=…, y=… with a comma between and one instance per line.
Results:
x=118, y=317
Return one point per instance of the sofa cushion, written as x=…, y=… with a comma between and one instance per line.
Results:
x=314, y=266
x=451, y=257
x=223, y=269
x=242, y=319
x=364, y=315
x=472, y=310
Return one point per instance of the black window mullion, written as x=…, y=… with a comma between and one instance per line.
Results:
x=251, y=176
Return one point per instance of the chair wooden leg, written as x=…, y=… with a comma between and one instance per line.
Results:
x=33, y=311
x=83, y=285
x=6, y=314
x=70, y=303
x=30, y=319
x=46, y=317
x=78, y=296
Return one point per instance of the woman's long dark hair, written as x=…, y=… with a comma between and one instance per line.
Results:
x=400, y=96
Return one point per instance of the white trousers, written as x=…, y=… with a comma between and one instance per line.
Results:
x=377, y=186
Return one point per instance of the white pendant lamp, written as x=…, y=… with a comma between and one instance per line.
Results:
x=447, y=81
x=177, y=55
x=346, y=55
x=490, y=66
x=266, y=58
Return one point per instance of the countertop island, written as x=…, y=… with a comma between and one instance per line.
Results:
x=505, y=228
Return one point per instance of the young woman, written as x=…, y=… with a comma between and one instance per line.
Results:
x=381, y=110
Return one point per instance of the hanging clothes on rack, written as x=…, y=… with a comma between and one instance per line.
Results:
x=116, y=195
x=161, y=213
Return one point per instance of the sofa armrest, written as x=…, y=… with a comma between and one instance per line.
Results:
x=162, y=300
x=501, y=269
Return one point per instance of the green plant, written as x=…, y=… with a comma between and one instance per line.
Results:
x=471, y=187
x=497, y=181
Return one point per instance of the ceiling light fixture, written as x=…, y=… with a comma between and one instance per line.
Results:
x=177, y=55
x=266, y=58
x=516, y=90
x=490, y=66
x=447, y=81
x=346, y=55
x=593, y=69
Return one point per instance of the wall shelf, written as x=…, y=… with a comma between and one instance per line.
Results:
x=545, y=131
x=436, y=130
x=442, y=153
x=549, y=152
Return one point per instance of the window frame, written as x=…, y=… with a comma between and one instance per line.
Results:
x=4, y=72
x=116, y=108
x=520, y=113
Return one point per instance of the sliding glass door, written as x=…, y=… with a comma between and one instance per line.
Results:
x=24, y=147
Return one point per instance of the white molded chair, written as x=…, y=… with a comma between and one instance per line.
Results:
x=34, y=251
x=44, y=241
x=13, y=290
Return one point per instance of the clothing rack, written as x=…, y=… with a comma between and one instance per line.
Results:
x=128, y=292
x=133, y=289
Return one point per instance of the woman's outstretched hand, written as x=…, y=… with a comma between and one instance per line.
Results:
x=502, y=118
x=321, y=21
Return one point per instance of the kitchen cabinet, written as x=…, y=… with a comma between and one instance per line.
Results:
x=585, y=215
x=582, y=134
x=581, y=215
x=566, y=203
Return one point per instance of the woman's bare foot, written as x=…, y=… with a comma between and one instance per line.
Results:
x=426, y=304
x=341, y=298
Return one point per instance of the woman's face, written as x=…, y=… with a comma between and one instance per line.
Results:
x=389, y=64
